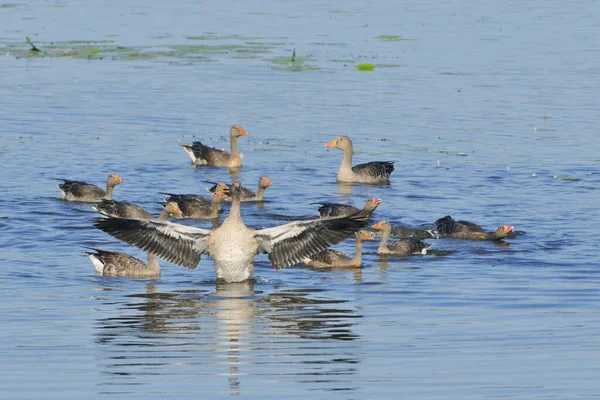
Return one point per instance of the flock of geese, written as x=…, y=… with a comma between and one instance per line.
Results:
x=233, y=245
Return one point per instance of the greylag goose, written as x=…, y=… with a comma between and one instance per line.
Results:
x=233, y=246
x=247, y=195
x=402, y=247
x=116, y=263
x=204, y=155
x=447, y=226
x=86, y=192
x=198, y=207
x=372, y=172
x=337, y=210
x=123, y=209
x=332, y=258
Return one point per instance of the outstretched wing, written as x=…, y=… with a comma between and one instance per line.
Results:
x=290, y=243
x=176, y=243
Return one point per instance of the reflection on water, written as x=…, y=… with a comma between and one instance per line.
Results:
x=231, y=332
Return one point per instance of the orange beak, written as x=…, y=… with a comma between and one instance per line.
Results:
x=268, y=182
x=118, y=179
x=243, y=132
x=333, y=143
x=378, y=225
x=509, y=228
x=368, y=236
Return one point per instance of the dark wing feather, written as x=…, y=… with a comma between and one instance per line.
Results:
x=81, y=189
x=122, y=209
x=327, y=210
x=209, y=154
x=175, y=243
x=445, y=225
x=378, y=170
x=290, y=243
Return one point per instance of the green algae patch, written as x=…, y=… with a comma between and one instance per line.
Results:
x=365, y=67
x=566, y=178
x=294, y=64
x=392, y=38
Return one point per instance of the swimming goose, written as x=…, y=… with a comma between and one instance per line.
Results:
x=198, y=207
x=233, y=246
x=402, y=247
x=372, y=172
x=338, y=210
x=332, y=258
x=447, y=226
x=86, y=192
x=204, y=155
x=116, y=263
x=247, y=195
x=123, y=209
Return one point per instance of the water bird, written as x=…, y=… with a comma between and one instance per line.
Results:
x=116, y=263
x=123, y=209
x=247, y=195
x=447, y=226
x=372, y=172
x=233, y=246
x=204, y=155
x=332, y=258
x=197, y=207
x=403, y=247
x=337, y=210
x=86, y=192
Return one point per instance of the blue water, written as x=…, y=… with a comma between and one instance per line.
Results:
x=490, y=112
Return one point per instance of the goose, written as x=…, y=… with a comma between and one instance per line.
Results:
x=337, y=210
x=233, y=246
x=116, y=263
x=372, y=172
x=198, y=207
x=86, y=192
x=123, y=209
x=447, y=226
x=332, y=258
x=247, y=195
x=204, y=155
x=403, y=247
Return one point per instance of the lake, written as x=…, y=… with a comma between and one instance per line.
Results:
x=489, y=110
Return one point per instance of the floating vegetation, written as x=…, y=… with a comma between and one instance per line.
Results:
x=566, y=178
x=365, y=67
x=392, y=38
x=213, y=36
x=33, y=48
x=391, y=65
x=456, y=73
x=456, y=154
x=293, y=64
x=89, y=49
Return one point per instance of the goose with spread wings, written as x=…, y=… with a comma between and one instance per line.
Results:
x=233, y=246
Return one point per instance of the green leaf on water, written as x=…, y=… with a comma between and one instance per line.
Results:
x=566, y=177
x=391, y=38
x=365, y=67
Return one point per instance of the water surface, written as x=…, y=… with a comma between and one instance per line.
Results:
x=489, y=111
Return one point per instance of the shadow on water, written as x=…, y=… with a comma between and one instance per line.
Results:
x=227, y=332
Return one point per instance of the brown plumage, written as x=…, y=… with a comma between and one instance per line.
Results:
x=116, y=263
x=86, y=192
x=447, y=226
x=198, y=207
x=333, y=258
x=402, y=247
x=247, y=195
x=327, y=210
x=123, y=209
x=372, y=172
x=204, y=155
